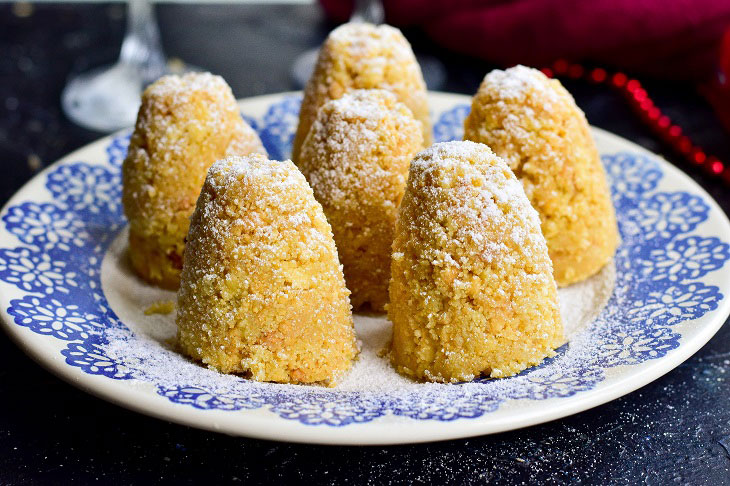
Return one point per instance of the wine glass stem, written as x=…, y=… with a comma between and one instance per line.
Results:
x=370, y=11
x=141, y=48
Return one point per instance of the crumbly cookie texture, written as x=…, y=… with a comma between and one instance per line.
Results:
x=184, y=125
x=160, y=307
x=262, y=291
x=364, y=56
x=356, y=159
x=472, y=291
x=534, y=124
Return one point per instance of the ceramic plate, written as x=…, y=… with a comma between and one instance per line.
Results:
x=69, y=300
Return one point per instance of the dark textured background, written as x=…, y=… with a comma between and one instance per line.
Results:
x=673, y=431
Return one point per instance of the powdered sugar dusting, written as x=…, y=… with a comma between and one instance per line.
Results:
x=498, y=189
x=363, y=40
x=343, y=155
x=517, y=82
x=582, y=302
x=356, y=159
x=152, y=344
x=364, y=56
x=179, y=91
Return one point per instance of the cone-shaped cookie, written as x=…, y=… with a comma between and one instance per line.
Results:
x=261, y=290
x=183, y=126
x=364, y=56
x=534, y=124
x=356, y=159
x=472, y=290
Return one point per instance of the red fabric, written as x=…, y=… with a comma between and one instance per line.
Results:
x=717, y=90
x=669, y=38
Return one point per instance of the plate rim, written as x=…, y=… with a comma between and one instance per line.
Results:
x=133, y=396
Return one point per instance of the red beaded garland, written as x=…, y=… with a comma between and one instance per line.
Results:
x=598, y=75
x=713, y=167
x=619, y=80
x=685, y=145
x=646, y=105
x=575, y=71
x=698, y=156
x=560, y=66
x=640, y=101
x=632, y=85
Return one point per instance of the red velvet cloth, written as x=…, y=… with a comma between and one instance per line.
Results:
x=668, y=38
x=717, y=89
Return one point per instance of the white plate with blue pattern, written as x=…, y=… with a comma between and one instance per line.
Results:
x=68, y=299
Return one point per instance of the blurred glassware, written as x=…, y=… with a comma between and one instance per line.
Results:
x=370, y=11
x=107, y=98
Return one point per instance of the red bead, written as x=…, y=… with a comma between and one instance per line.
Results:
x=619, y=80
x=647, y=104
x=684, y=145
x=598, y=75
x=560, y=66
x=654, y=113
x=699, y=157
x=575, y=71
x=547, y=72
x=675, y=131
x=640, y=95
x=633, y=85
x=664, y=122
x=717, y=167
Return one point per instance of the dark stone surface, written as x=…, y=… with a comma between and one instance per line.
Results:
x=675, y=430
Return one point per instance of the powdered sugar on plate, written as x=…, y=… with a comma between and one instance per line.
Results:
x=150, y=345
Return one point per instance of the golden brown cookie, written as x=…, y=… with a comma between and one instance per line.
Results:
x=534, y=124
x=364, y=56
x=183, y=126
x=472, y=291
x=261, y=290
x=356, y=159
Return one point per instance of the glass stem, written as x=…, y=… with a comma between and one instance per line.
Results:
x=370, y=11
x=141, y=48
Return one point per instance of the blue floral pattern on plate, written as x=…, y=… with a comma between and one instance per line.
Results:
x=278, y=127
x=659, y=268
x=38, y=272
x=91, y=190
